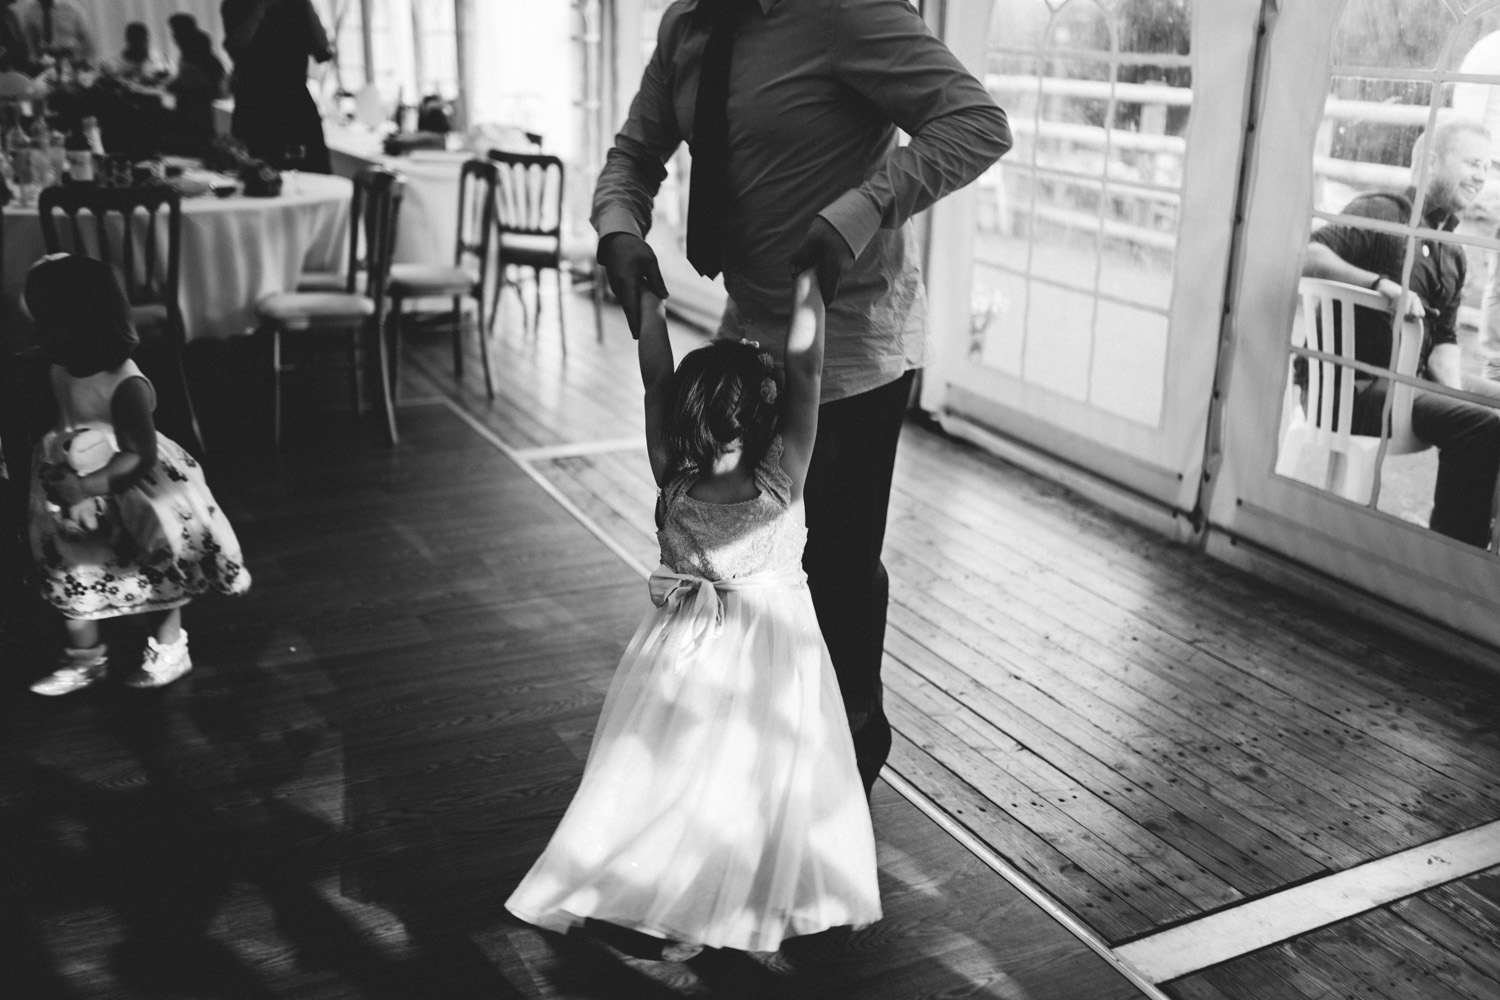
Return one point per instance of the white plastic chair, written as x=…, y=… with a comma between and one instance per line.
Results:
x=1318, y=445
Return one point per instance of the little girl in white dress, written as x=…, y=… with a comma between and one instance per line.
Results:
x=720, y=805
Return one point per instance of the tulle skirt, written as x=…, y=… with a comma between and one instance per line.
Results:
x=720, y=804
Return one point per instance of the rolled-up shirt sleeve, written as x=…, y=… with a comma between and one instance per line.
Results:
x=636, y=165
x=884, y=52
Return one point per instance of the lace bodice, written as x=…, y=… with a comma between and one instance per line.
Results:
x=724, y=540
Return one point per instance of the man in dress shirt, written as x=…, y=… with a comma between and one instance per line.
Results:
x=15, y=51
x=1467, y=436
x=815, y=178
x=59, y=28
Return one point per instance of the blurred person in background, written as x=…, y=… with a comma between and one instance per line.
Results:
x=270, y=42
x=137, y=62
x=57, y=28
x=199, y=82
x=15, y=51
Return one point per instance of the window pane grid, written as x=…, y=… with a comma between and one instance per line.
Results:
x=1076, y=232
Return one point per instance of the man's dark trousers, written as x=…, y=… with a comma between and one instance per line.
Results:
x=847, y=493
x=1468, y=442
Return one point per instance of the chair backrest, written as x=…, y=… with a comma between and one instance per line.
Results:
x=528, y=193
x=476, y=214
x=136, y=230
x=369, y=183
x=377, y=207
x=1328, y=326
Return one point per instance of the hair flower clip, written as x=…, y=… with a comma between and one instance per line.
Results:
x=768, y=389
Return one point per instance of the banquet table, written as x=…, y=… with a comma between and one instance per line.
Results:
x=234, y=250
x=428, y=225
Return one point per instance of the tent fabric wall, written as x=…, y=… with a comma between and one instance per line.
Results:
x=1162, y=463
x=1447, y=582
x=110, y=17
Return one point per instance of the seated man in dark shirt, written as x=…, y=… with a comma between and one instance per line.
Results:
x=1467, y=435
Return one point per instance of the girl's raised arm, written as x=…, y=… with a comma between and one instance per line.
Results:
x=804, y=379
x=654, y=350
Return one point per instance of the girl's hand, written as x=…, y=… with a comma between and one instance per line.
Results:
x=63, y=486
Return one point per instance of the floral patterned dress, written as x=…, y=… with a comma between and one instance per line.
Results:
x=113, y=570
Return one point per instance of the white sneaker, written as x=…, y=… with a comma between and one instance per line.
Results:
x=80, y=668
x=162, y=664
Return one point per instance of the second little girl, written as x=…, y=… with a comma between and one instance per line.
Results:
x=158, y=538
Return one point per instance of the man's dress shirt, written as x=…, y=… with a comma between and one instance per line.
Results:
x=817, y=91
x=70, y=29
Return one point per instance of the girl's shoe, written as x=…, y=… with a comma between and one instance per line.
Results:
x=162, y=664
x=79, y=668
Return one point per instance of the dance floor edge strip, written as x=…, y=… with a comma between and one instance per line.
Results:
x=1259, y=923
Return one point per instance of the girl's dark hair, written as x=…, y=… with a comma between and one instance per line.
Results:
x=82, y=315
x=721, y=393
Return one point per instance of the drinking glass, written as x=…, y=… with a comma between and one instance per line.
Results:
x=292, y=161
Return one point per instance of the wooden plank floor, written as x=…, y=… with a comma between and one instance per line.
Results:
x=376, y=744
x=1148, y=735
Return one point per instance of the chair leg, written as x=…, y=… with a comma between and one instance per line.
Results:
x=536, y=297
x=393, y=338
x=382, y=350
x=562, y=323
x=357, y=369
x=276, y=385
x=180, y=370
x=501, y=275
x=482, y=330
x=458, y=340
x=596, y=292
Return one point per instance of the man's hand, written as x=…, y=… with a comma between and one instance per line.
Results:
x=825, y=250
x=630, y=262
x=1408, y=305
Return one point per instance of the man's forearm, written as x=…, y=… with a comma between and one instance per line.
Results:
x=626, y=190
x=1321, y=262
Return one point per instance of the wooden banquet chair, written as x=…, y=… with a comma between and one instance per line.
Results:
x=138, y=232
x=528, y=213
x=464, y=278
x=1323, y=424
x=358, y=310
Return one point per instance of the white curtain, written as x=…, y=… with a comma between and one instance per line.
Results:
x=110, y=17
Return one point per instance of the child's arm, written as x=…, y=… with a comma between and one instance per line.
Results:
x=135, y=437
x=804, y=379
x=655, y=352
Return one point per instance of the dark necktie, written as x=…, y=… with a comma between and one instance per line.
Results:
x=47, y=26
x=708, y=189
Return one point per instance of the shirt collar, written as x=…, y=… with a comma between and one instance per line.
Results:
x=1432, y=216
x=764, y=5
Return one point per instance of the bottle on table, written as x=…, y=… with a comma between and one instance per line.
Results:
x=79, y=155
x=41, y=151
x=23, y=165
x=91, y=132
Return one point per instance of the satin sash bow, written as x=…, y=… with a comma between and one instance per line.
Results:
x=706, y=614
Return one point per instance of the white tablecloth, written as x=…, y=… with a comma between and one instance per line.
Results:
x=428, y=227
x=234, y=250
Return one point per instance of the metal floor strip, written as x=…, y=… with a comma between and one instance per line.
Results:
x=1267, y=920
